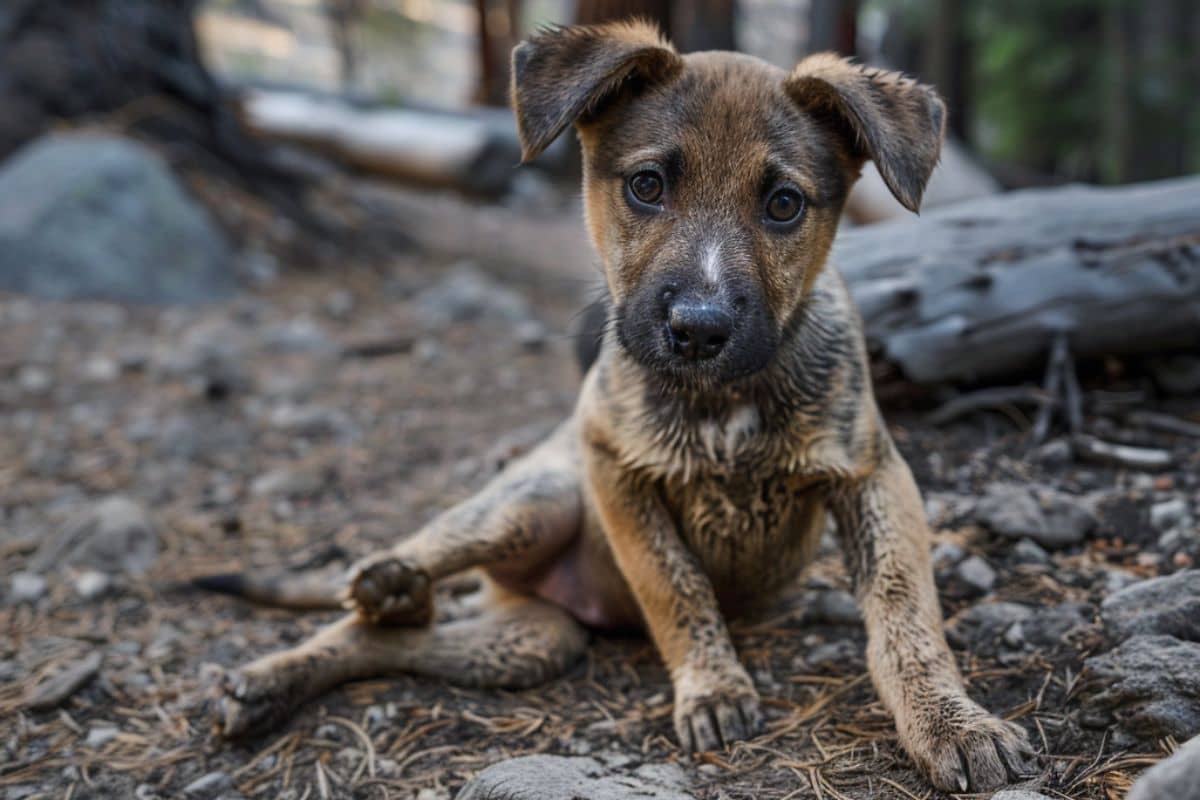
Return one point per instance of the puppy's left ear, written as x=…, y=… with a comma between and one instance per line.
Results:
x=562, y=74
x=890, y=119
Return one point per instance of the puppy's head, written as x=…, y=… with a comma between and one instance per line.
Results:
x=713, y=182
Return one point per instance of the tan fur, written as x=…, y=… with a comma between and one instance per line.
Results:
x=675, y=496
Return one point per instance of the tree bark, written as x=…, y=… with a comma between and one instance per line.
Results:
x=979, y=290
x=136, y=64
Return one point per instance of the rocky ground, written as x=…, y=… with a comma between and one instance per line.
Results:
x=317, y=416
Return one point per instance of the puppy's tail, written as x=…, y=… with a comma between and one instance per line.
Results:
x=303, y=591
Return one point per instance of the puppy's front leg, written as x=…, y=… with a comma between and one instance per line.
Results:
x=715, y=700
x=956, y=742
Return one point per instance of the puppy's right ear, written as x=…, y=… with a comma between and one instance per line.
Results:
x=562, y=73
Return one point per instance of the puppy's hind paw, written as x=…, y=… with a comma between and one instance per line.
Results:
x=390, y=591
x=248, y=705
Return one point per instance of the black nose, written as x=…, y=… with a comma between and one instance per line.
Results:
x=697, y=329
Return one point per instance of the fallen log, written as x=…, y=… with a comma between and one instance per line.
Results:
x=474, y=150
x=980, y=290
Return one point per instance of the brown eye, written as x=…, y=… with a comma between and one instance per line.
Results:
x=646, y=187
x=784, y=205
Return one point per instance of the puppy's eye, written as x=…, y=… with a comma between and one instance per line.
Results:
x=785, y=205
x=646, y=187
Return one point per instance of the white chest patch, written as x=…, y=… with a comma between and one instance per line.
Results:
x=722, y=440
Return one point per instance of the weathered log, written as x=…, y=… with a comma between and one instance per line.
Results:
x=475, y=151
x=980, y=290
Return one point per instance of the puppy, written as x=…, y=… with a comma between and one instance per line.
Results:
x=728, y=410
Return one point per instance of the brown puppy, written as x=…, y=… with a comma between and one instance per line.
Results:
x=729, y=409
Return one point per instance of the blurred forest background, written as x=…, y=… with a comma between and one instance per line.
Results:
x=1041, y=91
x=1044, y=91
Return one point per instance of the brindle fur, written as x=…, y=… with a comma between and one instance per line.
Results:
x=679, y=493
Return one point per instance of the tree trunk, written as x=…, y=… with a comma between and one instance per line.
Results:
x=833, y=25
x=137, y=64
x=980, y=290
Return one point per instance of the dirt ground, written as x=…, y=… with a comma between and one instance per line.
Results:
x=322, y=415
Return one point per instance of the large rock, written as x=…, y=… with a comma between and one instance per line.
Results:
x=1149, y=687
x=558, y=778
x=1173, y=778
x=97, y=216
x=1168, y=605
x=1051, y=518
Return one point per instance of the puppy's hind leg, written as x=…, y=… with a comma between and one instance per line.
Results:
x=515, y=527
x=512, y=642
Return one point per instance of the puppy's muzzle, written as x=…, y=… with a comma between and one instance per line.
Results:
x=698, y=330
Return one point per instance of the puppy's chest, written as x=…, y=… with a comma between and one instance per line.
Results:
x=751, y=532
x=742, y=506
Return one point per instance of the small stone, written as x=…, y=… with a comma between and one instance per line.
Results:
x=308, y=420
x=467, y=294
x=980, y=628
x=289, y=482
x=838, y=656
x=1117, y=579
x=1176, y=777
x=433, y=794
x=34, y=380
x=115, y=535
x=1051, y=518
x=100, y=735
x=837, y=608
x=91, y=584
x=948, y=553
x=976, y=574
x=375, y=717
x=1056, y=453
x=209, y=786
x=300, y=335
x=1019, y=794
x=427, y=351
x=531, y=335
x=101, y=370
x=1028, y=551
x=1169, y=513
x=1055, y=628
x=27, y=587
x=339, y=303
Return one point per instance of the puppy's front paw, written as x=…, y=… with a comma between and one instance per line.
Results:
x=386, y=590
x=963, y=748
x=712, y=719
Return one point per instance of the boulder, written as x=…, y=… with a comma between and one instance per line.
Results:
x=1175, y=777
x=1149, y=686
x=1169, y=605
x=86, y=216
x=545, y=777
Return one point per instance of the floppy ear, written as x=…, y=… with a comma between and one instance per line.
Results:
x=891, y=119
x=560, y=74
